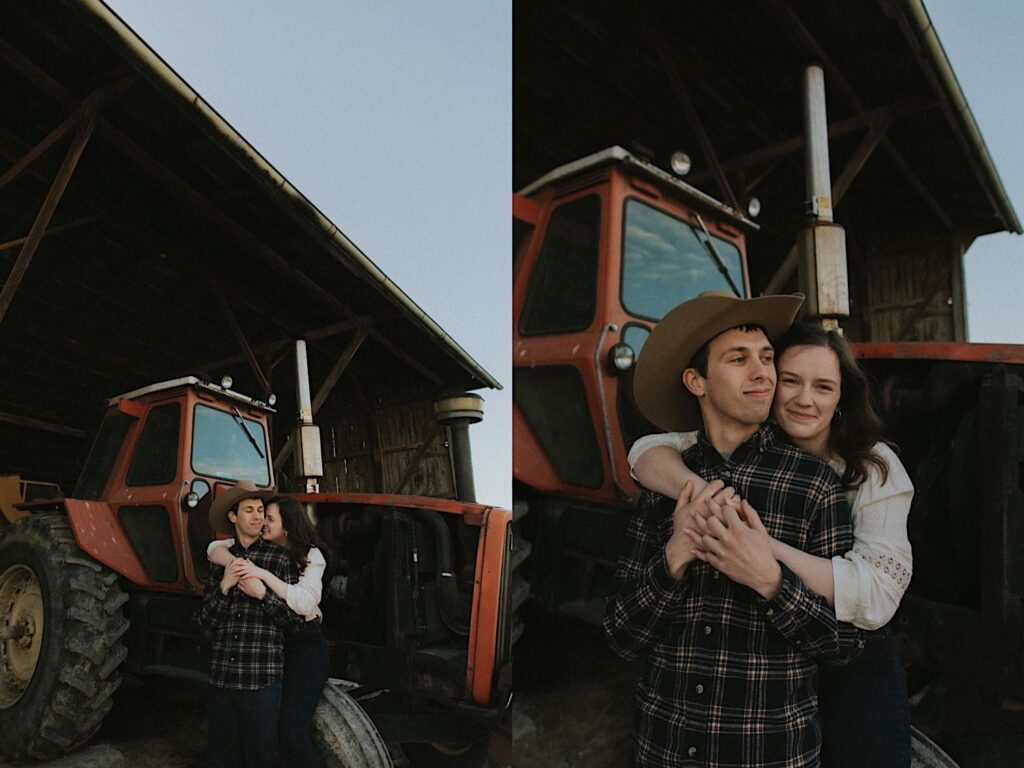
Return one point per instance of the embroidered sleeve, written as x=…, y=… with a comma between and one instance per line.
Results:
x=871, y=578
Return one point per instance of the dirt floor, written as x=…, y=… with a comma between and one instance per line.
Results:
x=574, y=705
x=164, y=726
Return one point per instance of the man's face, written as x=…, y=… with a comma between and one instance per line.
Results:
x=248, y=518
x=741, y=378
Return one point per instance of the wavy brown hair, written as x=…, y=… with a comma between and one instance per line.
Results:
x=302, y=535
x=856, y=426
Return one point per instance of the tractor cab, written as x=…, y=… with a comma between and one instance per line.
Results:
x=605, y=247
x=161, y=454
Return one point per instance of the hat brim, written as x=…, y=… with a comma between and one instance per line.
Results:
x=226, y=499
x=657, y=386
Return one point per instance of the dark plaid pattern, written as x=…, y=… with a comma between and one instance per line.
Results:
x=248, y=634
x=730, y=678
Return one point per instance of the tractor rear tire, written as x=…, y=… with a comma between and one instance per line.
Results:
x=61, y=624
x=344, y=734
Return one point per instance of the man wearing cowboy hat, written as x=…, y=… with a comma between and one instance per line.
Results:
x=730, y=673
x=245, y=623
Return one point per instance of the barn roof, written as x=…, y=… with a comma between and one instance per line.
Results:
x=142, y=238
x=722, y=81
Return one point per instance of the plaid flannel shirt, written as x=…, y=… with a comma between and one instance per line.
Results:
x=248, y=634
x=731, y=678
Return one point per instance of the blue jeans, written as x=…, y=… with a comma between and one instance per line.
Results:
x=305, y=673
x=242, y=729
x=864, y=711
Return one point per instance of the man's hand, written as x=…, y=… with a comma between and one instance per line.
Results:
x=253, y=587
x=232, y=573
x=679, y=549
x=732, y=538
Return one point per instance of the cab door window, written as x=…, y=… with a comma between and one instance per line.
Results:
x=155, y=461
x=563, y=288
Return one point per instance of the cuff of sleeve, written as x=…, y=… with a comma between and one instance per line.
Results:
x=780, y=610
x=662, y=584
x=271, y=600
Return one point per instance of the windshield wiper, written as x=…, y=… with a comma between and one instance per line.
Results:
x=241, y=425
x=709, y=246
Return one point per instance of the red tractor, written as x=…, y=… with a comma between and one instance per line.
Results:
x=108, y=582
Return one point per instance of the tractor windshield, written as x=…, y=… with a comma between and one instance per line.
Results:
x=220, y=449
x=666, y=261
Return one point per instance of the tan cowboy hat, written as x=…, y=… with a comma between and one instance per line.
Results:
x=657, y=385
x=227, y=498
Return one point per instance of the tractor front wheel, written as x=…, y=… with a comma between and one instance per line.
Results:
x=61, y=623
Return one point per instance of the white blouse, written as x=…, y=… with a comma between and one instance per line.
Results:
x=871, y=578
x=304, y=595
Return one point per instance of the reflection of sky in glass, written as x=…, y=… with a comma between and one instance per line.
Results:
x=664, y=263
x=221, y=449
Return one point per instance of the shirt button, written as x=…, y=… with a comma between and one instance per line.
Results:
x=699, y=688
x=692, y=751
x=715, y=575
x=232, y=658
x=770, y=612
x=234, y=637
x=707, y=630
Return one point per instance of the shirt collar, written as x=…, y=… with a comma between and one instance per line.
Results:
x=759, y=442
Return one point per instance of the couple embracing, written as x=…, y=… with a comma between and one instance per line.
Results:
x=760, y=606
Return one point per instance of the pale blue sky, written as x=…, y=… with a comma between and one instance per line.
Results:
x=395, y=119
x=982, y=39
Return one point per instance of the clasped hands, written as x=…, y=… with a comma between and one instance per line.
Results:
x=717, y=527
x=246, y=575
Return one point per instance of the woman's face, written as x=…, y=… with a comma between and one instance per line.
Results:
x=273, y=528
x=807, y=395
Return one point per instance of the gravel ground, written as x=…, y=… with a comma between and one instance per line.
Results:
x=164, y=726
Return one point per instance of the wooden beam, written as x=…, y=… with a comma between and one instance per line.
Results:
x=414, y=462
x=243, y=342
x=340, y=366
x=46, y=426
x=100, y=97
x=87, y=123
x=272, y=347
x=853, y=167
x=693, y=118
x=52, y=231
x=839, y=128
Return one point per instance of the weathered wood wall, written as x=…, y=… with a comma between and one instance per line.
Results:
x=372, y=430
x=905, y=286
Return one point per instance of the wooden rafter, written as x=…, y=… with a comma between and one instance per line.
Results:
x=52, y=231
x=415, y=461
x=790, y=146
x=86, y=124
x=247, y=352
x=273, y=347
x=693, y=118
x=46, y=426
